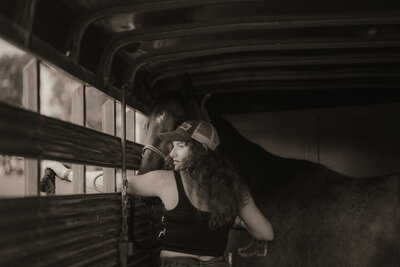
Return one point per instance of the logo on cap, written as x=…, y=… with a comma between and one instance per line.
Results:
x=185, y=126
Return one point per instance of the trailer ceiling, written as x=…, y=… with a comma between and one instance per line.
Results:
x=253, y=56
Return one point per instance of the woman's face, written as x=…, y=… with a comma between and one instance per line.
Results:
x=180, y=154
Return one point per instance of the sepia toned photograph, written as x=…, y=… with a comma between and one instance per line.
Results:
x=199, y=133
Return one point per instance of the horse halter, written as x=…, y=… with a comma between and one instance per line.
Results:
x=154, y=149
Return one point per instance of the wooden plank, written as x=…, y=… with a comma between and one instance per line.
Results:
x=29, y=134
x=108, y=125
x=78, y=117
x=30, y=88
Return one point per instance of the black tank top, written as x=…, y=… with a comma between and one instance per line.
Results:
x=187, y=228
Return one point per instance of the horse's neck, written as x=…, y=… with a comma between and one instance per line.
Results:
x=233, y=142
x=264, y=172
x=253, y=162
x=242, y=152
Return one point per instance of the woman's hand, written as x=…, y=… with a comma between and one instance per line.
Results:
x=61, y=171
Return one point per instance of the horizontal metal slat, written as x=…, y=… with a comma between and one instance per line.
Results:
x=140, y=257
x=73, y=254
x=79, y=253
x=107, y=258
x=77, y=230
x=29, y=134
x=55, y=235
x=64, y=236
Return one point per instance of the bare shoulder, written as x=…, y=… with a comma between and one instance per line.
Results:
x=151, y=183
x=162, y=177
x=165, y=187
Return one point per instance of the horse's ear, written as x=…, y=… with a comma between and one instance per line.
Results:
x=186, y=88
x=204, y=113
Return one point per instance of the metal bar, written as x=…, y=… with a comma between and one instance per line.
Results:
x=246, y=63
x=25, y=17
x=124, y=248
x=129, y=37
x=85, y=20
x=287, y=75
x=299, y=85
x=166, y=55
x=123, y=134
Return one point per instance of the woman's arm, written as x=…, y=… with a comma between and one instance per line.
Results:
x=94, y=179
x=254, y=221
x=149, y=184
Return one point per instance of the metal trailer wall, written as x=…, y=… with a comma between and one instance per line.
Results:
x=357, y=141
x=64, y=231
x=77, y=230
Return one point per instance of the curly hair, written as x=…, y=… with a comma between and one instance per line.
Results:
x=217, y=183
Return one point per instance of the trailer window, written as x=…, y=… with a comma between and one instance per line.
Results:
x=56, y=93
x=12, y=62
x=55, y=103
x=12, y=183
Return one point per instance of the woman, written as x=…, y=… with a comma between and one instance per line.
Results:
x=202, y=197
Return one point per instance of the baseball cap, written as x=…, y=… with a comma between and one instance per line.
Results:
x=199, y=130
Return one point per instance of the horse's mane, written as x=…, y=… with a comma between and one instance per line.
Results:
x=247, y=156
x=262, y=169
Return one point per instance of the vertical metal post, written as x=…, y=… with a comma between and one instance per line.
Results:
x=125, y=247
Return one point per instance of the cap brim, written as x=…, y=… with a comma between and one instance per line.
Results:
x=174, y=136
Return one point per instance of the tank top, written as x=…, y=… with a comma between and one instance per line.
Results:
x=188, y=231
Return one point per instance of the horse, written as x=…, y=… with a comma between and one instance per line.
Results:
x=320, y=217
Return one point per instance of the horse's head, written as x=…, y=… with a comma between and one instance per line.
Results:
x=168, y=112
